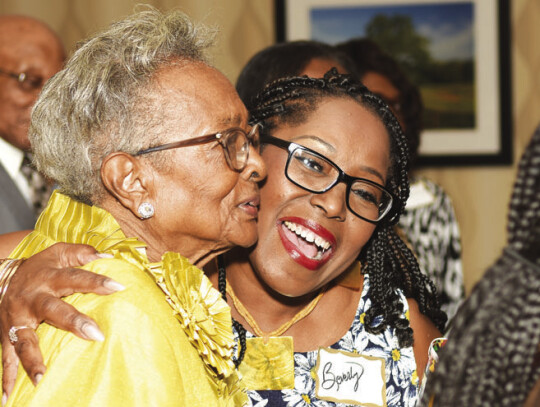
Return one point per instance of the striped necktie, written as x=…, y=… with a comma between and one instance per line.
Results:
x=40, y=189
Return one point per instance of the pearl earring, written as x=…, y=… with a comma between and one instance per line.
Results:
x=145, y=210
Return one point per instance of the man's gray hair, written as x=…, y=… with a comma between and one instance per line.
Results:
x=95, y=105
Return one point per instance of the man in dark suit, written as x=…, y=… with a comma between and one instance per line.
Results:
x=30, y=53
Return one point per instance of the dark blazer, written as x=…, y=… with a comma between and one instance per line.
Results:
x=15, y=212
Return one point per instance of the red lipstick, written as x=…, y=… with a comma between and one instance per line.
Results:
x=297, y=247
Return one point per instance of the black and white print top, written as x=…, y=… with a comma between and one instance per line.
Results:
x=430, y=225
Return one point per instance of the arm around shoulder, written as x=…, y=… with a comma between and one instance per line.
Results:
x=136, y=364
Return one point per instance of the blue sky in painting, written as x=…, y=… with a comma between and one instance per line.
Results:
x=449, y=26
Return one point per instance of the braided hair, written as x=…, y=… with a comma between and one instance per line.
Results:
x=385, y=258
x=491, y=357
x=285, y=59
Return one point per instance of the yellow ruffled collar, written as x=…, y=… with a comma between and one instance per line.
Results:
x=204, y=315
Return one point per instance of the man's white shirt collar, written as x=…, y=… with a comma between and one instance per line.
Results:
x=11, y=158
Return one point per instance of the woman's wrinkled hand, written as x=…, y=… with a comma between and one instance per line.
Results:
x=33, y=297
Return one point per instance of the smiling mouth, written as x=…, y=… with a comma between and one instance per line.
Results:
x=312, y=246
x=308, y=243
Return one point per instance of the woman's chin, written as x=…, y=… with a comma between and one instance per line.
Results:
x=292, y=292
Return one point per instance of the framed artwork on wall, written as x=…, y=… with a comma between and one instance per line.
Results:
x=456, y=51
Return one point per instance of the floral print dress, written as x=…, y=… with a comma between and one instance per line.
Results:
x=399, y=368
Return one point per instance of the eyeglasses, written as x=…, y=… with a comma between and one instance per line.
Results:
x=235, y=142
x=26, y=82
x=315, y=173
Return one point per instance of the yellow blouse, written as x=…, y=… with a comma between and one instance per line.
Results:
x=168, y=338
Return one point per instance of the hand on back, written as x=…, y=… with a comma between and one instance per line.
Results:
x=34, y=296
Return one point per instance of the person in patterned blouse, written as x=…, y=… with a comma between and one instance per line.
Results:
x=429, y=223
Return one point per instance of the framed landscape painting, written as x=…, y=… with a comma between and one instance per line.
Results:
x=456, y=51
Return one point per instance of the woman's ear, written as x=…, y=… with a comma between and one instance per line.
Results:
x=124, y=178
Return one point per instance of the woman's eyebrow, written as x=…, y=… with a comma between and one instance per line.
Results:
x=317, y=140
x=373, y=171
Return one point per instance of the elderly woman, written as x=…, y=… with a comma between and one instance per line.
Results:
x=153, y=156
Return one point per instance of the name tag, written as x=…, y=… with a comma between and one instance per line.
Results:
x=346, y=377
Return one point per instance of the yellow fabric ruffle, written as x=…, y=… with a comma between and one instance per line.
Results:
x=204, y=317
x=202, y=312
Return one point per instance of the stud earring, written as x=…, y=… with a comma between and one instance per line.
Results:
x=145, y=210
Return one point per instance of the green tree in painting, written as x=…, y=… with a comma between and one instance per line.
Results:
x=447, y=86
x=397, y=36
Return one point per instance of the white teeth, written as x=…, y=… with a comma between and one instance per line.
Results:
x=308, y=235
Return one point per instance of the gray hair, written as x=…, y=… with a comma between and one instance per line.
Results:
x=96, y=104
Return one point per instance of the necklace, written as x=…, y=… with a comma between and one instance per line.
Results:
x=304, y=312
x=267, y=360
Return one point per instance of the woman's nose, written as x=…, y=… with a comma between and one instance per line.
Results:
x=332, y=202
x=256, y=168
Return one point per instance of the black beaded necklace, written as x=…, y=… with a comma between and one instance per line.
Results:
x=222, y=286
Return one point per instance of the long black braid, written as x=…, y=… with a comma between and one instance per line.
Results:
x=385, y=258
x=491, y=357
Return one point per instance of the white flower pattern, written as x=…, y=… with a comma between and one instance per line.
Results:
x=400, y=366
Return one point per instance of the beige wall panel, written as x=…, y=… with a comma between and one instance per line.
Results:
x=245, y=26
x=480, y=198
x=480, y=194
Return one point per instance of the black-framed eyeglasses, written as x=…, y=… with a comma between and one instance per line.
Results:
x=315, y=173
x=27, y=82
x=235, y=142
